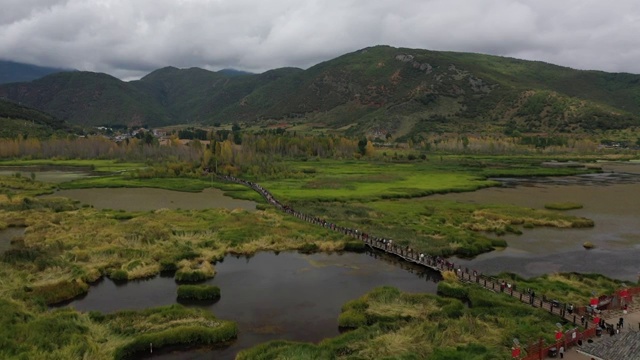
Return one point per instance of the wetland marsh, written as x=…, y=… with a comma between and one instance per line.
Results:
x=274, y=297
x=612, y=202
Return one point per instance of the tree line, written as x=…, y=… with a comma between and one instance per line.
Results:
x=262, y=153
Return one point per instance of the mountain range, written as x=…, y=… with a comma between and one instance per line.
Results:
x=377, y=90
x=11, y=72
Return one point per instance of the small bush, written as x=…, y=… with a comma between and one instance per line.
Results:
x=168, y=266
x=448, y=289
x=383, y=294
x=119, y=216
x=453, y=310
x=187, y=254
x=198, y=292
x=498, y=243
x=308, y=248
x=119, y=275
x=96, y=316
x=359, y=305
x=352, y=319
x=188, y=275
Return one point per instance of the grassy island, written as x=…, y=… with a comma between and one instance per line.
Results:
x=464, y=322
x=563, y=206
x=198, y=292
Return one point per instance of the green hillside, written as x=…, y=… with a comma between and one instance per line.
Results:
x=16, y=120
x=412, y=91
x=193, y=95
x=88, y=98
x=377, y=91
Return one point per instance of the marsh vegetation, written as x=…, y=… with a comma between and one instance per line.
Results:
x=67, y=246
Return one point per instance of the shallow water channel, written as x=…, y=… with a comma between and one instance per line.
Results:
x=287, y=296
x=48, y=174
x=143, y=199
x=611, y=200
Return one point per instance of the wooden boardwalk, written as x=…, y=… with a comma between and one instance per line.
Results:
x=577, y=317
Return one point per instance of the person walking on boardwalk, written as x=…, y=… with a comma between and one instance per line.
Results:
x=561, y=352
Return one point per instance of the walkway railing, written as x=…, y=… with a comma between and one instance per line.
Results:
x=536, y=350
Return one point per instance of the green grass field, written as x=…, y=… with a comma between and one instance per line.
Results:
x=334, y=180
x=364, y=181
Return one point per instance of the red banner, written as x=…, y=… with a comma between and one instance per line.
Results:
x=515, y=352
x=594, y=302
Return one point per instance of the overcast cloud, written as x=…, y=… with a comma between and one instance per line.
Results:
x=129, y=38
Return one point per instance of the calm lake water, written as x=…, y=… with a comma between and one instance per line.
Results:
x=288, y=296
x=611, y=200
x=143, y=199
x=54, y=175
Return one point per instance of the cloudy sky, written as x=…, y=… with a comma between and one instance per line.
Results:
x=129, y=38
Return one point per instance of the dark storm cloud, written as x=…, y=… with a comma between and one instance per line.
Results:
x=129, y=38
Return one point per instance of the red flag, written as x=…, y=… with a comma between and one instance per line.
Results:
x=515, y=352
x=594, y=302
x=558, y=335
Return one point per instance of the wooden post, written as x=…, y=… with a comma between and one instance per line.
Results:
x=540, y=349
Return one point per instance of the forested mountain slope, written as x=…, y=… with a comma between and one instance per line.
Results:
x=374, y=90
